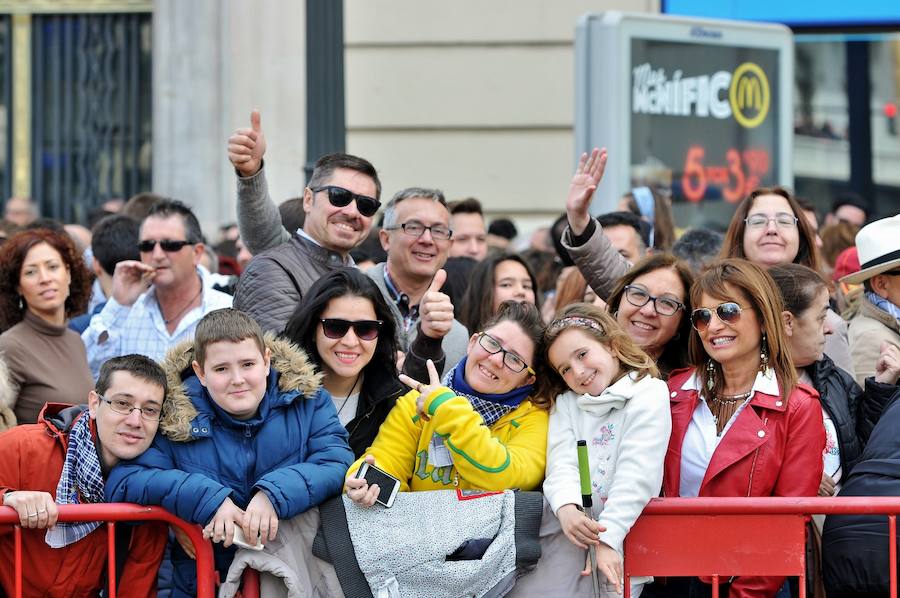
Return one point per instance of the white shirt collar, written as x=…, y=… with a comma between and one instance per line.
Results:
x=766, y=383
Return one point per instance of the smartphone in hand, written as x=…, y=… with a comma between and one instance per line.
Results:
x=388, y=485
x=240, y=540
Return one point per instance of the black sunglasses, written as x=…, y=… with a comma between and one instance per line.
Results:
x=168, y=245
x=340, y=197
x=729, y=312
x=366, y=330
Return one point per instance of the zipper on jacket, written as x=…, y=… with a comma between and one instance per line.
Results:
x=247, y=432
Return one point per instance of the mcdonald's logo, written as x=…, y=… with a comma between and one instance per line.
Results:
x=749, y=95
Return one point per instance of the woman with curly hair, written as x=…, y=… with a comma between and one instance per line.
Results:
x=43, y=281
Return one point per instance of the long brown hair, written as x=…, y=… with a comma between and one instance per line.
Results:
x=733, y=245
x=630, y=356
x=673, y=356
x=12, y=256
x=721, y=281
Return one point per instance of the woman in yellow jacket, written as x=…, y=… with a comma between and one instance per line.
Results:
x=480, y=428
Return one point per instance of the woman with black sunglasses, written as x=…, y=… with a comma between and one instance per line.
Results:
x=347, y=330
x=741, y=424
x=481, y=427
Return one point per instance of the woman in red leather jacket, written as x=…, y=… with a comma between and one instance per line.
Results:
x=741, y=424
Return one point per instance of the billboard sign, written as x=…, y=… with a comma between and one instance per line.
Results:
x=697, y=108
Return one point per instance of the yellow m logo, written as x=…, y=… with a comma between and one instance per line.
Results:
x=749, y=95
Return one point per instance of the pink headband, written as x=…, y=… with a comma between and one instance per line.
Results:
x=575, y=321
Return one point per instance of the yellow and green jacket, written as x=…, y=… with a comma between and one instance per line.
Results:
x=511, y=454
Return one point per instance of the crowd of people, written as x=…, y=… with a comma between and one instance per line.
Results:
x=242, y=386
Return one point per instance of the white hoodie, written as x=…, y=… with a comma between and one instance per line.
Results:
x=627, y=431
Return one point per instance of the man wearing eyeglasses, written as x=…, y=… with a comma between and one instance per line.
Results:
x=417, y=238
x=340, y=201
x=64, y=459
x=156, y=302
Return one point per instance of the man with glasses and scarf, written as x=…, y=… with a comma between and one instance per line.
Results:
x=155, y=303
x=340, y=201
x=65, y=459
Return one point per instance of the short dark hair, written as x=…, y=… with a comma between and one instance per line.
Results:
x=167, y=208
x=326, y=165
x=140, y=366
x=503, y=227
x=798, y=284
x=627, y=219
x=699, y=247
x=139, y=204
x=228, y=325
x=851, y=199
x=114, y=239
x=292, y=214
x=469, y=205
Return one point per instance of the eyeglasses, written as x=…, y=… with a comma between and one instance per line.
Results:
x=417, y=229
x=728, y=312
x=340, y=197
x=123, y=407
x=510, y=360
x=781, y=219
x=664, y=306
x=366, y=330
x=168, y=245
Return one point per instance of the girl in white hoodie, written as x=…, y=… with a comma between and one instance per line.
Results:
x=607, y=393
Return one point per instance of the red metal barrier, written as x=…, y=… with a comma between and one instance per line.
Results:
x=112, y=513
x=739, y=536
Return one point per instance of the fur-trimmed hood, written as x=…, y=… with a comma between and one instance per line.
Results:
x=296, y=371
x=8, y=394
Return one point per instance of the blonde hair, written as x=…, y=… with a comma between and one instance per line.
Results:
x=603, y=328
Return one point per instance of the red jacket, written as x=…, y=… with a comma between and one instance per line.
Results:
x=31, y=458
x=773, y=448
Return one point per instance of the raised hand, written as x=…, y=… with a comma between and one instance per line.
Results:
x=887, y=368
x=581, y=189
x=358, y=489
x=130, y=279
x=434, y=381
x=246, y=147
x=435, y=308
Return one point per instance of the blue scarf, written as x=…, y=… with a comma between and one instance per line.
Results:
x=883, y=304
x=81, y=481
x=491, y=407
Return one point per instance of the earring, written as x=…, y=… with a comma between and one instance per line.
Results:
x=21, y=303
x=710, y=374
x=764, y=353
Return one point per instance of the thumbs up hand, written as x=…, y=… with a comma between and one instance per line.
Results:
x=435, y=309
x=246, y=147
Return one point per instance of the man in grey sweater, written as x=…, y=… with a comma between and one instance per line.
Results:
x=340, y=201
x=286, y=265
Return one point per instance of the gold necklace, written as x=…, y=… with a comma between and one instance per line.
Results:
x=183, y=309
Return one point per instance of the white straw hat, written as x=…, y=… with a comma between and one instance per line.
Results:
x=878, y=245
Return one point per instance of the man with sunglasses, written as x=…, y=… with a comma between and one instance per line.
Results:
x=155, y=303
x=64, y=459
x=340, y=200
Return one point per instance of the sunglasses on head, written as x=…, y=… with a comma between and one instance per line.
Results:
x=340, y=197
x=168, y=245
x=366, y=330
x=728, y=312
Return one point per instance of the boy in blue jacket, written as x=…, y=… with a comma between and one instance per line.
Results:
x=248, y=437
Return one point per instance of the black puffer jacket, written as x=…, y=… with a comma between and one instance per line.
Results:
x=855, y=547
x=853, y=411
x=380, y=391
